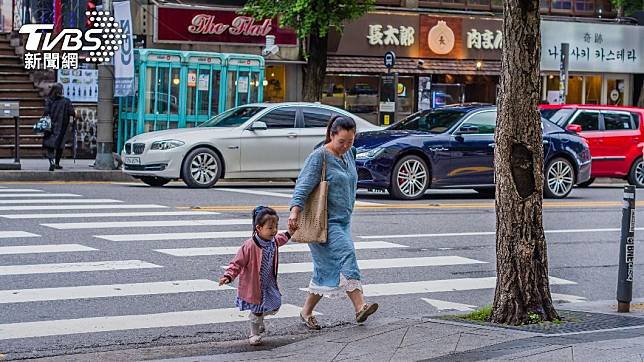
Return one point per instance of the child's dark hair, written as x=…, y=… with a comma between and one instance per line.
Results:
x=261, y=214
x=336, y=123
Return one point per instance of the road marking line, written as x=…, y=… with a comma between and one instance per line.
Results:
x=75, y=267
x=365, y=264
x=481, y=233
x=37, y=249
x=567, y=298
x=289, y=248
x=112, y=290
x=129, y=322
x=177, y=236
x=433, y=286
x=60, y=201
x=20, y=190
x=39, y=195
x=16, y=234
x=80, y=207
x=154, y=223
x=108, y=214
x=279, y=194
x=444, y=305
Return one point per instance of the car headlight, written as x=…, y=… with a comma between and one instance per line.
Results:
x=166, y=144
x=373, y=153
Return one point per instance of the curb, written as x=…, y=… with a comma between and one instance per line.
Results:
x=63, y=176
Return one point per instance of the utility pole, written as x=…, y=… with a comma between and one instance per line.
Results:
x=105, y=110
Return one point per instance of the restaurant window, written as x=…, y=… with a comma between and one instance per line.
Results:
x=562, y=4
x=593, y=89
x=585, y=5
x=575, y=85
x=275, y=83
x=357, y=94
x=405, y=105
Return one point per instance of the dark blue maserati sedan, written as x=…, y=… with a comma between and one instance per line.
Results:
x=453, y=147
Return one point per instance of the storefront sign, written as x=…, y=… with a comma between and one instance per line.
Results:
x=594, y=47
x=175, y=24
x=375, y=33
x=452, y=37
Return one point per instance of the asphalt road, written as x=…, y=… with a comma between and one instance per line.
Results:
x=100, y=266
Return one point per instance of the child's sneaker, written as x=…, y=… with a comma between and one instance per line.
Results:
x=262, y=327
x=255, y=340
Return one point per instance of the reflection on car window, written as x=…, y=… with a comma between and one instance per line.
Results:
x=436, y=121
x=617, y=121
x=561, y=117
x=480, y=123
x=233, y=117
x=589, y=121
x=316, y=117
x=548, y=112
x=280, y=118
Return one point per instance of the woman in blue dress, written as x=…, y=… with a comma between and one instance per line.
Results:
x=335, y=269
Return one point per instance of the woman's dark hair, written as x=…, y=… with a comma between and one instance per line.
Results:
x=56, y=90
x=261, y=215
x=336, y=123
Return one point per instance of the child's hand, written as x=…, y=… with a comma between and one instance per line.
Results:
x=223, y=280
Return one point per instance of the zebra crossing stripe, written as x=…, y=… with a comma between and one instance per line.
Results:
x=444, y=305
x=154, y=223
x=38, y=249
x=108, y=214
x=433, y=286
x=3, y=189
x=16, y=234
x=112, y=290
x=387, y=263
x=60, y=201
x=177, y=236
x=39, y=195
x=130, y=322
x=75, y=267
x=289, y=248
x=80, y=207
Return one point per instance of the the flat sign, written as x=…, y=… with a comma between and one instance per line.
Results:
x=594, y=47
x=181, y=25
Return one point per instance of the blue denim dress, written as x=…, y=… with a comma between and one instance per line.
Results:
x=335, y=269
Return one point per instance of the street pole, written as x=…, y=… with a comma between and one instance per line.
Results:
x=626, y=252
x=105, y=110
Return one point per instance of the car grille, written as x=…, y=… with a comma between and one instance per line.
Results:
x=128, y=148
x=138, y=148
x=150, y=167
x=364, y=174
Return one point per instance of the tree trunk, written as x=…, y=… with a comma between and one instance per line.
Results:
x=315, y=69
x=521, y=264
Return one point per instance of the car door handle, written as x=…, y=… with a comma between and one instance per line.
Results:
x=491, y=145
x=545, y=142
x=233, y=147
x=291, y=135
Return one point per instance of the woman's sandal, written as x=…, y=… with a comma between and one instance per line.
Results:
x=311, y=322
x=366, y=311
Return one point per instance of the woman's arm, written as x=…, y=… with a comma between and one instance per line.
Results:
x=308, y=179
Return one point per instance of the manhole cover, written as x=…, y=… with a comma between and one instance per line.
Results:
x=571, y=322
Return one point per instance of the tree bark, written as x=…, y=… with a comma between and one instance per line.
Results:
x=522, y=284
x=315, y=69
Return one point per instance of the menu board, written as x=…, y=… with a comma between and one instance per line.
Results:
x=79, y=85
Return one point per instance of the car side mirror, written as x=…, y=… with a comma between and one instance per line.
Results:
x=574, y=128
x=258, y=126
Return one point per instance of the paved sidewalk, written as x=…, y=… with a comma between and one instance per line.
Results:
x=81, y=170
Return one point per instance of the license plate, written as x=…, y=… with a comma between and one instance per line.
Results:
x=132, y=160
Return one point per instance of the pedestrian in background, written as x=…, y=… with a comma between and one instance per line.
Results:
x=335, y=268
x=60, y=110
x=256, y=265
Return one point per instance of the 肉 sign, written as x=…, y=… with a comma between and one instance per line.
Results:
x=180, y=25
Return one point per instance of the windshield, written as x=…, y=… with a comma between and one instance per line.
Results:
x=437, y=121
x=561, y=116
x=233, y=117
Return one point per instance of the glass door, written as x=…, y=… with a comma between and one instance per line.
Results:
x=616, y=89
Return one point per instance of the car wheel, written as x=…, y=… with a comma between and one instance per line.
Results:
x=587, y=183
x=410, y=178
x=559, y=178
x=636, y=176
x=201, y=168
x=155, y=181
x=486, y=191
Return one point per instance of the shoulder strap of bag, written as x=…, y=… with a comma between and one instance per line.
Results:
x=323, y=165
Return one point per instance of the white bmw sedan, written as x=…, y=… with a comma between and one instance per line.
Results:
x=264, y=140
